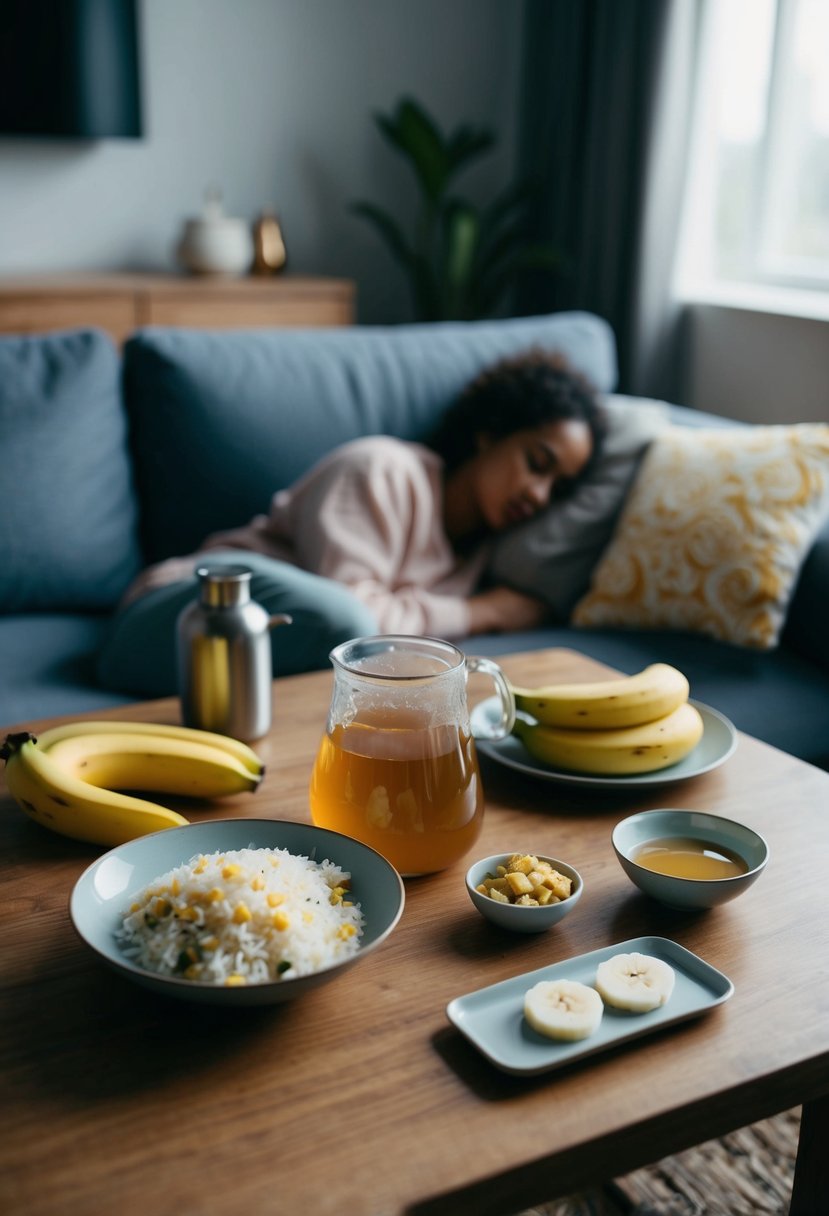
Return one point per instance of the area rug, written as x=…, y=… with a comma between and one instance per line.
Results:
x=747, y=1173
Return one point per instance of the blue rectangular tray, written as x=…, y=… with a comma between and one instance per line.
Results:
x=493, y=1018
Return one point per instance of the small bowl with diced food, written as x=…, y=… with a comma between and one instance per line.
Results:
x=524, y=892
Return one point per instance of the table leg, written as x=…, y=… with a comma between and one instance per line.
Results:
x=810, y=1193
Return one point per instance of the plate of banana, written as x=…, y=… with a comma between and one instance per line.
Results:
x=637, y=730
x=544, y=1019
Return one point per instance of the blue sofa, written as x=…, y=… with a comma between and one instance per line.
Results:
x=110, y=462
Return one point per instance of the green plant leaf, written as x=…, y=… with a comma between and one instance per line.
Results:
x=511, y=204
x=461, y=232
x=415, y=134
x=466, y=143
x=498, y=276
x=388, y=228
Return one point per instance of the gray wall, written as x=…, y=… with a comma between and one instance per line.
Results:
x=271, y=100
x=756, y=366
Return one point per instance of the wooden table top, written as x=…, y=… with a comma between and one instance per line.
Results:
x=360, y=1097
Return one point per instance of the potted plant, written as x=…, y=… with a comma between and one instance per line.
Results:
x=461, y=258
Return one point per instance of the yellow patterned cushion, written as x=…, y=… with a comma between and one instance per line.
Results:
x=714, y=532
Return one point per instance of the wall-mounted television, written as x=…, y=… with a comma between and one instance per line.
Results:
x=69, y=69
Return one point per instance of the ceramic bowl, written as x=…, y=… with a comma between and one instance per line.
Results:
x=688, y=893
x=103, y=893
x=516, y=917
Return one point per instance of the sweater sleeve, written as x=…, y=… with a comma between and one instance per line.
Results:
x=370, y=520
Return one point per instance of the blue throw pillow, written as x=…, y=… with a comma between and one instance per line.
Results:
x=220, y=421
x=68, y=514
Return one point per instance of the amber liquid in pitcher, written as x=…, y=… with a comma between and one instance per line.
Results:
x=410, y=791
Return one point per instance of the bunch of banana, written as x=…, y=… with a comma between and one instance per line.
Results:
x=606, y=704
x=69, y=779
x=636, y=724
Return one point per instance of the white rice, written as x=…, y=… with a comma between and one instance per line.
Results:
x=246, y=916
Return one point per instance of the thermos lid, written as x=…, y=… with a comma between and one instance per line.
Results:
x=224, y=586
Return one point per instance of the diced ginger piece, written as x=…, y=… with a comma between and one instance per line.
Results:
x=559, y=885
x=519, y=883
x=497, y=884
x=542, y=895
x=519, y=864
x=536, y=877
x=526, y=901
x=498, y=896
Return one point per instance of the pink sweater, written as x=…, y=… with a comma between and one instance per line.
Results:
x=368, y=515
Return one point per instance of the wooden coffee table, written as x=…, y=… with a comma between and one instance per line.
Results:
x=360, y=1097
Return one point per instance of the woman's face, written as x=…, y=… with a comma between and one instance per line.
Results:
x=513, y=478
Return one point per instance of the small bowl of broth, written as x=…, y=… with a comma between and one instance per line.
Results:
x=689, y=859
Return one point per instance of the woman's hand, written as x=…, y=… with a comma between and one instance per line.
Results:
x=501, y=610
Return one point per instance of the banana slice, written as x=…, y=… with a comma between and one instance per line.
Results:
x=637, y=982
x=563, y=1009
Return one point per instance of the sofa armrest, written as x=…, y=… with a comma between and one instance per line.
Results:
x=806, y=630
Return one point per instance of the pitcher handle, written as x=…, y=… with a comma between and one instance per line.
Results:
x=507, y=719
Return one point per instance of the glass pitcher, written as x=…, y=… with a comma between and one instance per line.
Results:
x=397, y=767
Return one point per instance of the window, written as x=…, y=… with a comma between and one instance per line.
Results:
x=758, y=188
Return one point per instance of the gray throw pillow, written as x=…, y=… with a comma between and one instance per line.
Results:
x=553, y=554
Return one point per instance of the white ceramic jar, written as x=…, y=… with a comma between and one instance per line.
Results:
x=215, y=243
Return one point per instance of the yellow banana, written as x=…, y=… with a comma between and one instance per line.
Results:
x=141, y=761
x=61, y=802
x=607, y=704
x=185, y=734
x=633, y=749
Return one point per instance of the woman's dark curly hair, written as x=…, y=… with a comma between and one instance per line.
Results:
x=518, y=393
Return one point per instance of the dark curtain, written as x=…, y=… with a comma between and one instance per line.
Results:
x=605, y=125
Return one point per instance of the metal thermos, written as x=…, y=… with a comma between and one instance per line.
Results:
x=224, y=656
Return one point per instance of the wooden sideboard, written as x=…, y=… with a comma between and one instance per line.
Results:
x=120, y=303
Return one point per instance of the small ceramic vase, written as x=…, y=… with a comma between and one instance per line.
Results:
x=269, y=254
x=215, y=243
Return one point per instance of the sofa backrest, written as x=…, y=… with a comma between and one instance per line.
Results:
x=221, y=420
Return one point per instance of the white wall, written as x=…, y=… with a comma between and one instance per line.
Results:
x=272, y=100
x=758, y=366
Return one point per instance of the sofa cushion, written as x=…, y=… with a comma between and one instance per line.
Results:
x=68, y=516
x=49, y=666
x=553, y=554
x=714, y=532
x=222, y=420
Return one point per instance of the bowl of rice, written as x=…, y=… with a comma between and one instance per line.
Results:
x=237, y=911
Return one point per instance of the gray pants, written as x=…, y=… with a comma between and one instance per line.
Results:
x=139, y=654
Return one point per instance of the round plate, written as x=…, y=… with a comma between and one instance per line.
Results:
x=103, y=893
x=719, y=739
